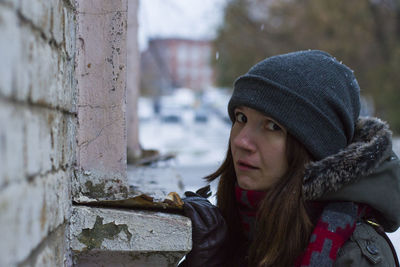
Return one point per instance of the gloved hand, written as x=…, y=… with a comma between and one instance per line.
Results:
x=209, y=232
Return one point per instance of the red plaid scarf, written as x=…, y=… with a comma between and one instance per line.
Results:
x=247, y=202
x=334, y=227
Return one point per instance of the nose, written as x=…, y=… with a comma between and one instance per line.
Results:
x=244, y=140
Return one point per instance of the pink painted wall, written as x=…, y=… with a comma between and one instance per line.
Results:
x=101, y=86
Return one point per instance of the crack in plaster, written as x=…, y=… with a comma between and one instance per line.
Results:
x=87, y=143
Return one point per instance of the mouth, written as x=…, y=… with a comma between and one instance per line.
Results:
x=244, y=165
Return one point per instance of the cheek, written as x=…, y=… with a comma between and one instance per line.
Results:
x=275, y=155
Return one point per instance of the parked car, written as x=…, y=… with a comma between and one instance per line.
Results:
x=201, y=115
x=170, y=111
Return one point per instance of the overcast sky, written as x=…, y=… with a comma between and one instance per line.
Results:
x=179, y=18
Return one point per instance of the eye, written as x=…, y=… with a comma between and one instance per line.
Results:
x=240, y=117
x=273, y=126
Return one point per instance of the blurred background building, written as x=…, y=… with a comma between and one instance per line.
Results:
x=176, y=62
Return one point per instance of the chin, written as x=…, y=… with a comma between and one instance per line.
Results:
x=246, y=185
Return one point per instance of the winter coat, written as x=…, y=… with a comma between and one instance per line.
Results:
x=367, y=171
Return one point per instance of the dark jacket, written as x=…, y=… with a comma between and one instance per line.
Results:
x=367, y=171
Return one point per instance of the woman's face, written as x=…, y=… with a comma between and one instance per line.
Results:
x=258, y=146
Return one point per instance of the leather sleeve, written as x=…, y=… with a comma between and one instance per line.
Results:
x=209, y=232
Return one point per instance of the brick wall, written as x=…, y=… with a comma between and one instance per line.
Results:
x=37, y=130
x=63, y=139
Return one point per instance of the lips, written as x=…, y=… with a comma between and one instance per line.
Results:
x=245, y=165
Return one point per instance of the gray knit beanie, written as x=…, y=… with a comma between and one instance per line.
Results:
x=310, y=93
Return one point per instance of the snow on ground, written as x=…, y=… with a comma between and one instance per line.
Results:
x=200, y=147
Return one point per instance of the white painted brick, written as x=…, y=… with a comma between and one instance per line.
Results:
x=3, y=143
x=69, y=32
x=31, y=67
x=46, y=140
x=47, y=16
x=66, y=77
x=62, y=85
x=29, y=211
x=44, y=73
x=62, y=127
x=57, y=28
x=69, y=141
x=66, y=93
x=10, y=45
x=56, y=124
x=32, y=142
x=31, y=64
x=11, y=143
x=39, y=13
x=10, y=3
x=52, y=252
x=26, y=55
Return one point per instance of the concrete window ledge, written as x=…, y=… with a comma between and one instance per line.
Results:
x=114, y=237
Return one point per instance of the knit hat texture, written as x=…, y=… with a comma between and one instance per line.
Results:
x=315, y=97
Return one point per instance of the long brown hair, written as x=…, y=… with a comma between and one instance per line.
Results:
x=283, y=224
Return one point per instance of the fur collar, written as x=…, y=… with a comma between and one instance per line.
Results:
x=371, y=145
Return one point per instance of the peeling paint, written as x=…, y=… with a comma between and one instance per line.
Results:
x=95, y=190
x=99, y=190
x=93, y=238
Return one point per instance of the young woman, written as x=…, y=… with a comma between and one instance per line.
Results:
x=306, y=181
